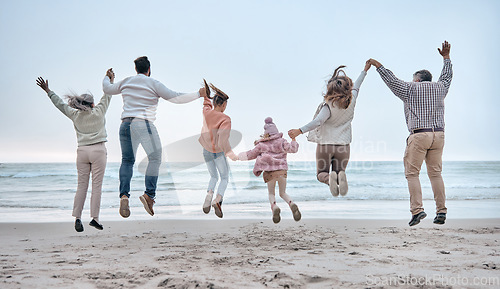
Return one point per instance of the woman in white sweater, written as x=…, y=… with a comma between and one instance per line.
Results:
x=89, y=122
x=331, y=129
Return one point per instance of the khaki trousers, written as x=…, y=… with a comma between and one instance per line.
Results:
x=91, y=158
x=426, y=146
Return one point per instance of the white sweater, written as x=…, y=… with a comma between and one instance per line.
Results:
x=90, y=126
x=332, y=125
x=141, y=93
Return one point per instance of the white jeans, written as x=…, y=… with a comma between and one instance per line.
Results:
x=91, y=158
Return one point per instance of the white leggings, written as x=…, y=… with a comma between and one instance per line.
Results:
x=271, y=186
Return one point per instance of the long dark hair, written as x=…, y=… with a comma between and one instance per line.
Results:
x=339, y=89
x=219, y=97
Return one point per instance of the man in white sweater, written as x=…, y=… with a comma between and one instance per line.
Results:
x=140, y=99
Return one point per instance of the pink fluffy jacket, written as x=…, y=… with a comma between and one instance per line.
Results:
x=270, y=154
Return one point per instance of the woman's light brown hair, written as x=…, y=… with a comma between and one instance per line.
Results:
x=339, y=89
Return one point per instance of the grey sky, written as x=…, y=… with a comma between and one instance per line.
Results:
x=271, y=57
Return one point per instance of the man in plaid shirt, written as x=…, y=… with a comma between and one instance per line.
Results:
x=424, y=112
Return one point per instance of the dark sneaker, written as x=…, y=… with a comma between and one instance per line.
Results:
x=124, y=209
x=440, y=218
x=148, y=204
x=416, y=218
x=96, y=225
x=78, y=225
x=218, y=209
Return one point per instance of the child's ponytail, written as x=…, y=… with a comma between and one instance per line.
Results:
x=219, y=96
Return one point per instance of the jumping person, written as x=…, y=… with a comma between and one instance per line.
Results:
x=89, y=122
x=331, y=129
x=140, y=99
x=424, y=112
x=270, y=153
x=215, y=141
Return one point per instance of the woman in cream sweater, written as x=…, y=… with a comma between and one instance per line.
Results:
x=89, y=122
x=331, y=129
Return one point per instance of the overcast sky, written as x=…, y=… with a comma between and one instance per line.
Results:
x=271, y=57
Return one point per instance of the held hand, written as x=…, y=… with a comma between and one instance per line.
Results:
x=233, y=157
x=203, y=92
x=110, y=73
x=293, y=133
x=445, y=50
x=374, y=62
x=367, y=65
x=44, y=84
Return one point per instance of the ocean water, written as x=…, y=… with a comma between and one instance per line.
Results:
x=37, y=191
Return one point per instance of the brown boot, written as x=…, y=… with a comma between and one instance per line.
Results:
x=148, y=204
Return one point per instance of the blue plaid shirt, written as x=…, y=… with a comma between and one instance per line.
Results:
x=423, y=101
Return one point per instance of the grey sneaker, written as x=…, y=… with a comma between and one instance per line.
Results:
x=342, y=183
x=207, y=203
x=334, y=188
x=295, y=211
x=124, y=209
x=276, y=214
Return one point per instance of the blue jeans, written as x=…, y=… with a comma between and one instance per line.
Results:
x=217, y=162
x=132, y=133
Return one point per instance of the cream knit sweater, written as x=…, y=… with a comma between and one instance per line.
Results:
x=89, y=125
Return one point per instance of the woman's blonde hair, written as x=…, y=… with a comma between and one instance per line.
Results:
x=339, y=89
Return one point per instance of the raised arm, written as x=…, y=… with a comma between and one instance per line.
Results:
x=56, y=100
x=399, y=87
x=173, y=96
x=447, y=72
x=108, y=87
x=103, y=103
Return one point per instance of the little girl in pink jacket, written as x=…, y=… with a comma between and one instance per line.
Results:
x=270, y=153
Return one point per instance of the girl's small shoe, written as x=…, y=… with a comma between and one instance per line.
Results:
x=295, y=211
x=217, y=204
x=276, y=214
x=207, y=203
x=334, y=188
x=343, y=183
x=217, y=209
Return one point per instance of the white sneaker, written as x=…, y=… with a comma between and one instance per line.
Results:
x=343, y=187
x=334, y=188
x=208, y=203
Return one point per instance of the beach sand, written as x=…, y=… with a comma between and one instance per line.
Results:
x=312, y=253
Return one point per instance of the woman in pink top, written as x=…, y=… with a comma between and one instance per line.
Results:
x=215, y=141
x=270, y=153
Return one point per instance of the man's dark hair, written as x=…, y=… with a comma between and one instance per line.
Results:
x=423, y=75
x=142, y=64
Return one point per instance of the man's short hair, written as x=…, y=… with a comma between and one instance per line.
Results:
x=423, y=75
x=142, y=64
